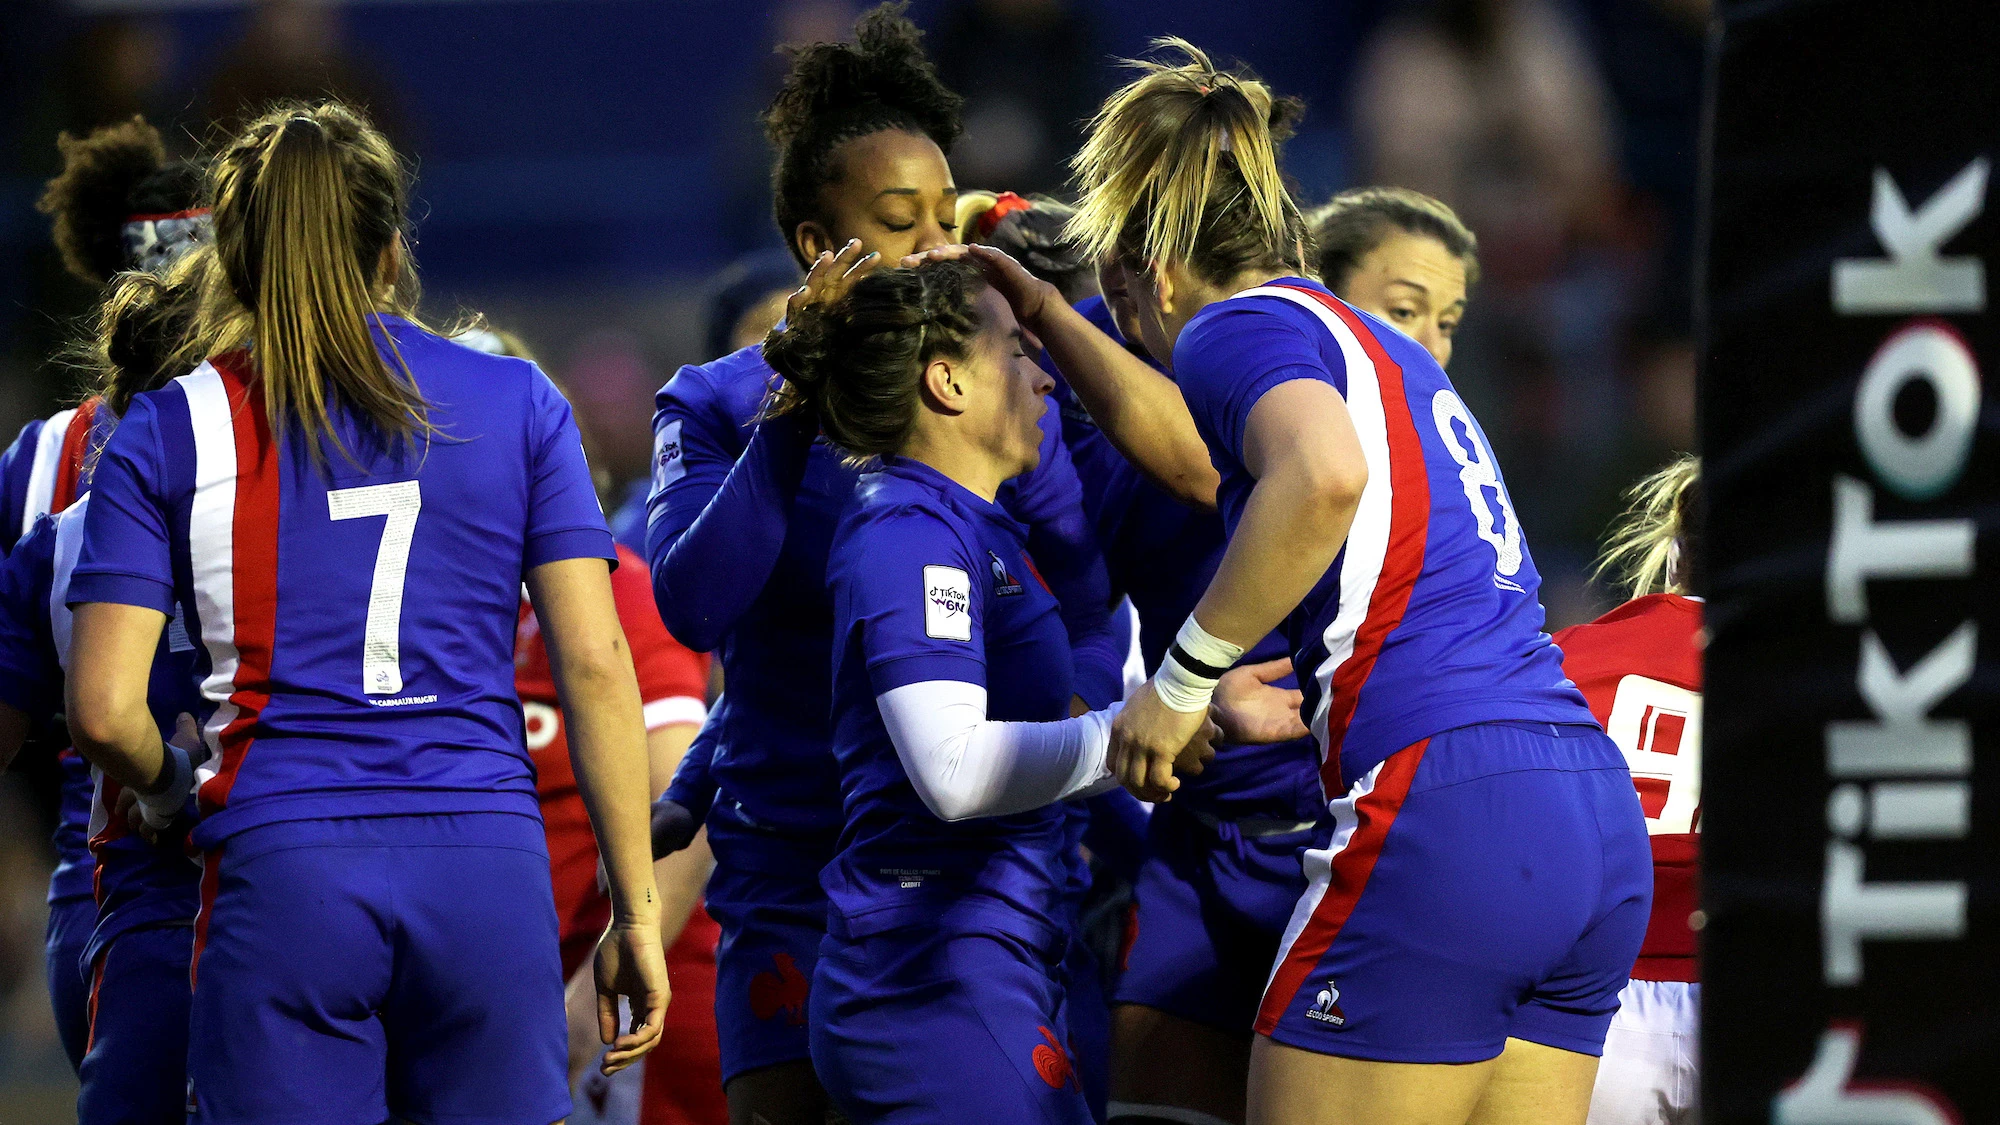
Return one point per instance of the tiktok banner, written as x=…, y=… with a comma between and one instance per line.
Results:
x=1851, y=821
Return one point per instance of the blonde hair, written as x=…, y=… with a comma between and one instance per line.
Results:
x=1656, y=535
x=307, y=200
x=1181, y=165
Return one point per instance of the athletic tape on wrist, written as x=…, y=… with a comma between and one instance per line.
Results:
x=159, y=809
x=1182, y=689
x=1204, y=648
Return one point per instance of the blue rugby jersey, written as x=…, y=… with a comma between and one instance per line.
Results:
x=1429, y=618
x=740, y=521
x=1162, y=554
x=46, y=468
x=135, y=883
x=930, y=582
x=355, y=618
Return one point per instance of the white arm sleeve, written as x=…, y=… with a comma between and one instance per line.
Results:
x=965, y=765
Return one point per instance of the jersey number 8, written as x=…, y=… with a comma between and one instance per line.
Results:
x=381, y=638
x=1477, y=473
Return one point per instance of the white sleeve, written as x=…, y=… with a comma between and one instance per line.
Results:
x=965, y=765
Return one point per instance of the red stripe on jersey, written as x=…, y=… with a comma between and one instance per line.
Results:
x=75, y=447
x=115, y=826
x=1375, y=813
x=211, y=878
x=254, y=569
x=1402, y=562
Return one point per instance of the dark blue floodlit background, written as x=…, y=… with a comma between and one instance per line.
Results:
x=586, y=167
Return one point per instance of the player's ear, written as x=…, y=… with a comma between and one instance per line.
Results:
x=1159, y=283
x=943, y=386
x=812, y=239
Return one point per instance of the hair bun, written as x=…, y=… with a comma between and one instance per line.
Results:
x=91, y=197
x=885, y=68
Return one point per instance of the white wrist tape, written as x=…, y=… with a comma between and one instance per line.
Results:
x=1200, y=644
x=159, y=809
x=1180, y=689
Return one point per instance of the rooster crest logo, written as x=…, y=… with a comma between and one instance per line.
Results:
x=1326, y=1006
x=781, y=991
x=1052, y=1062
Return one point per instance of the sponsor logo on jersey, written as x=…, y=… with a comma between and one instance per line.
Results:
x=947, y=603
x=781, y=992
x=1004, y=585
x=1326, y=1007
x=1052, y=1062
x=668, y=464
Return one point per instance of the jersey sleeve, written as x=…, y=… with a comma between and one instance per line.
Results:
x=1230, y=360
x=16, y=466
x=127, y=555
x=693, y=786
x=1063, y=543
x=709, y=504
x=564, y=518
x=919, y=613
x=30, y=677
x=673, y=681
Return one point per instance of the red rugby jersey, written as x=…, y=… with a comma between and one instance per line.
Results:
x=1640, y=668
x=673, y=682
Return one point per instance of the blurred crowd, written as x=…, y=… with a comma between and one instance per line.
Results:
x=593, y=179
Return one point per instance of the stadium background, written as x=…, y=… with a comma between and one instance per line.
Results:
x=586, y=167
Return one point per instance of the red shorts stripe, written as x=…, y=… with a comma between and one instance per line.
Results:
x=211, y=878
x=96, y=983
x=1375, y=812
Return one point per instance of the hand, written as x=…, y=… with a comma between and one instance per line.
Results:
x=630, y=964
x=128, y=807
x=1250, y=711
x=1148, y=739
x=1200, y=750
x=674, y=825
x=1029, y=295
x=831, y=276
x=187, y=735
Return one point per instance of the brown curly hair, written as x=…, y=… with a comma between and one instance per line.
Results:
x=858, y=362
x=109, y=175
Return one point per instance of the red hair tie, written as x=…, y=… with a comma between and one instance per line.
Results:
x=1005, y=204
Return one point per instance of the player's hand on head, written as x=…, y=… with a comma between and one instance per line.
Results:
x=833, y=273
x=674, y=827
x=1027, y=294
x=1250, y=710
x=631, y=965
x=1147, y=739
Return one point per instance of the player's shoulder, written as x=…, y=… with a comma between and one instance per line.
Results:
x=733, y=385
x=892, y=511
x=443, y=364
x=35, y=549
x=1275, y=318
x=1658, y=635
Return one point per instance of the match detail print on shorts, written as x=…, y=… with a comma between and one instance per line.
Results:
x=947, y=603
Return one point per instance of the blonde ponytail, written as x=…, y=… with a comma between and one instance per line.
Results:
x=307, y=203
x=1181, y=165
x=1653, y=544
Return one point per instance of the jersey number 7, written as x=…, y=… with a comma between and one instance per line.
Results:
x=381, y=638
